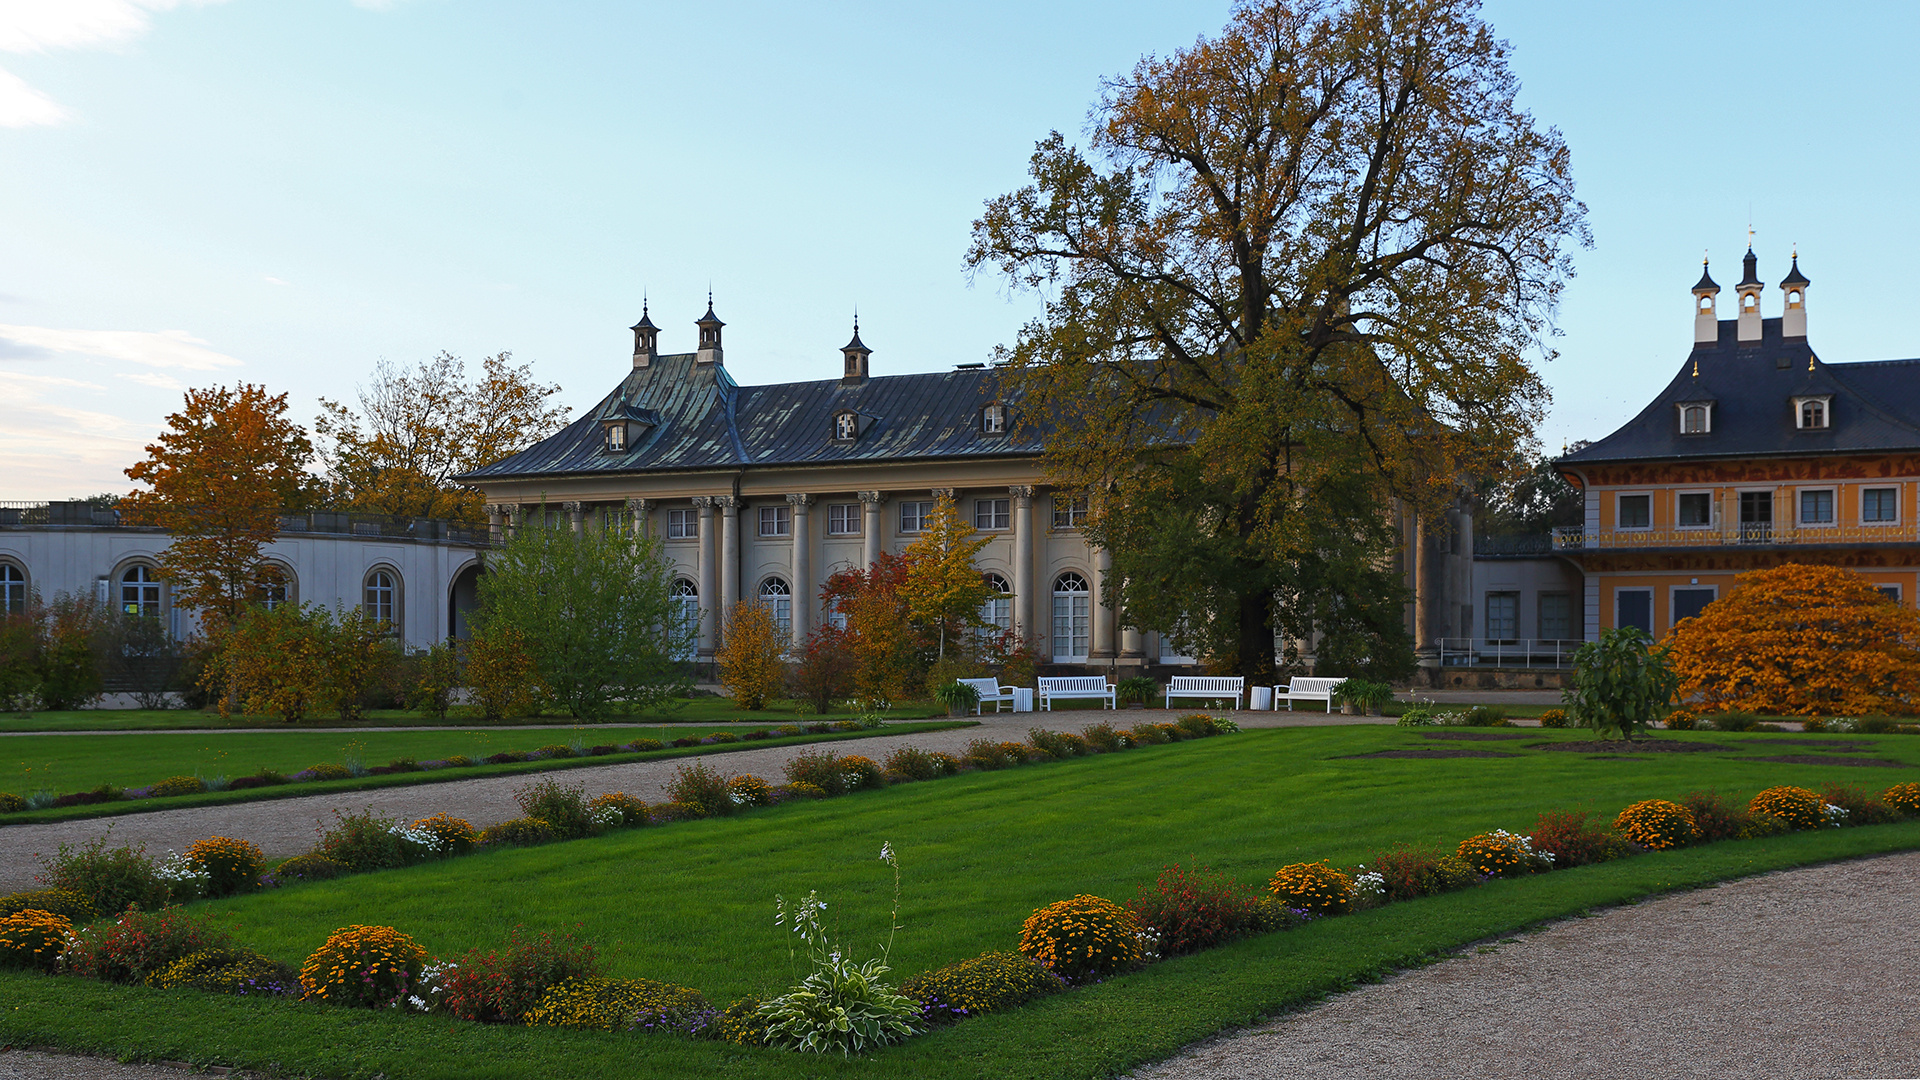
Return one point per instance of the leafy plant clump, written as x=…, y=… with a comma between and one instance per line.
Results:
x=229, y=970
x=1191, y=910
x=621, y=1005
x=366, y=966
x=521, y=832
x=1553, y=718
x=1575, y=838
x=1798, y=807
x=1409, y=872
x=1084, y=939
x=703, y=786
x=1903, y=797
x=64, y=902
x=137, y=944
x=364, y=842
x=991, y=982
x=1657, y=824
x=917, y=764
x=174, y=786
x=310, y=867
x=33, y=939
x=840, y=1005
x=1622, y=685
x=1503, y=854
x=501, y=985
x=562, y=807
x=111, y=879
x=819, y=768
x=231, y=866
x=1314, y=887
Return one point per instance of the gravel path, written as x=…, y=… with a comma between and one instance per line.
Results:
x=1801, y=973
x=290, y=826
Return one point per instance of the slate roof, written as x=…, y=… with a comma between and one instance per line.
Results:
x=694, y=416
x=1875, y=405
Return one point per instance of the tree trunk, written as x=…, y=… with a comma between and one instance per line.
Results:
x=1256, y=639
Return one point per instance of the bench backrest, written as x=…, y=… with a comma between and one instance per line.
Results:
x=1070, y=683
x=985, y=687
x=1302, y=684
x=1208, y=684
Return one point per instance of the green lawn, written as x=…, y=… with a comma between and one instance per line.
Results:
x=701, y=710
x=692, y=902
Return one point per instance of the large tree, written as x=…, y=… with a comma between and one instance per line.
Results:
x=416, y=429
x=1295, y=277
x=218, y=478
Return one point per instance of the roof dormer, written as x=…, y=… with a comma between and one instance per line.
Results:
x=846, y=426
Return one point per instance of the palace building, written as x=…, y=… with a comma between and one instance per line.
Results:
x=1758, y=452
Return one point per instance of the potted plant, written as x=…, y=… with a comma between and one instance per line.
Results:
x=1368, y=697
x=1136, y=692
x=957, y=696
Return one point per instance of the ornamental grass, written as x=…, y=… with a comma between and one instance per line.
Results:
x=1657, y=824
x=1084, y=939
x=366, y=966
x=1798, y=807
x=1314, y=887
x=33, y=939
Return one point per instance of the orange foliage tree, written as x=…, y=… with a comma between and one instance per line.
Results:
x=752, y=655
x=218, y=477
x=1800, y=641
x=943, y=589
x=888, y=646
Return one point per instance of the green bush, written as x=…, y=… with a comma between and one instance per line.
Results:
x=917, y=764
x=66, y=903
x=641, y=746
x=631, y=811
x=1103, y=739
x=501, y=985
x=992, y=982
x=1136, y=688
x=563, y=808
x=11, y=803
x=111, y=879
x=327, y=770
x=310, y=868
x=228, y=969
x=1417, y=715
x=139, y=943
x=178, y=785
x=819, y=768
x=749, y=790
x=799, y=789
x=1576, y=838
x=1198, y=725
x=364, y=842
x=621, y=1005
x=702, y=785
x=523, y=832
x=1144, y=734
x=1486, y=716
x=1732, y=721
x=675, y=811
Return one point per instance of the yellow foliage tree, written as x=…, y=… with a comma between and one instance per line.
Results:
x=943, y=589
x=752, y=655
x=1800, y=640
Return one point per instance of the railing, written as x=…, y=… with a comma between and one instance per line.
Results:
x=1567, y=537
x=1513, y=652
x=50, y=514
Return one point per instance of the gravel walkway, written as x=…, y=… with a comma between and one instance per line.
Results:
x=290, y=826
x=1801, y=973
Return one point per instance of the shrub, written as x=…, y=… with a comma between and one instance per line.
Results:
x=1715, y=816
x=818, y=768
x=750, y=658
x=1419, y=714
x=799, y=789
x=676, y=811
x=524, y=832
x=641, y=746
x=11, y=803
x=1903, y=797
x=563, y=808
x=1486, y=716
x=1554, y=718
x=137, y=944
x=228, y=970
x=1198, y=725
x=992, y=982
x=33, y=939
x=178, y=785
x=1083, y=939
x=1657, y=824
x=555, y=750
x=456, y=835
x=63, y=902
x=1408, y=872
x=1621, y=683
x=500, y=986
x=1173, y=732
x=749, y=790
x=1503, y=854
x=701, y=785
x=1798, y=807
x=326, y=770
x=621, y=1005
x=364, y=842
x=862, y=773
x=617, y=809
x=1047, y=743
x=1104, y=739
x=1145, y=734
x=720, y=737
x=1191, y=910
x=500, y=672
x=741, y=1022
x=988, y=754
x=111, y=879
x=365, y=966
x=232, y=866
x=917, y=764
x=1731, y=721
x=1575, y=838
x=310, y=868
x=1315, y=887
x=1860, y=805
x=823, y=673
x=1681, y=720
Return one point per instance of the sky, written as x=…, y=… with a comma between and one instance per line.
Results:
x=287, y=192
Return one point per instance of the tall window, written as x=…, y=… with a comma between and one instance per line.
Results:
x=1695, y=509
x=616, y=436
x=1688, y=603
x=843, y=519
x=683, y=524
x=998, y=610
x=1072, y=605
x=1556, y=616
x=1633, y=607
x=1816, y=508
x=992, y=514
x=1879, y=504
x=382, y=594
x=13, y=589
x=779, y=599
x=1636, y=512
x=140, y=592
x=1503, y=616
x=1069, y=511
x=686, y=614
x=776, y=521
x=914, y=516
x=270, y=589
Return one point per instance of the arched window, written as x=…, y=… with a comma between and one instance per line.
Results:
x=383, y=597
x=140, y=592
x=998, y=610
x=779, y=599
x=13, y=589
x=272, y=586
x=686, y=615
x=1072, y=607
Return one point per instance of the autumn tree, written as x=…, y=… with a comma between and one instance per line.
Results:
x=217, y=480
x=416, y=429
x=888, y=646
x=943, y=589
x=1800, y=640
x=751, y=659
x=1293, y=278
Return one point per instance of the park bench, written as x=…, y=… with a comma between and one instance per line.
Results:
x=989, y=690
x=1210, y=687
x=1303, y=688
x=1074, y=686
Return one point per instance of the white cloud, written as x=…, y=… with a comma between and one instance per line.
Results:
x=23, y=106
x=157, y=380
x=54, y=449
x=162, y=349
x=37, y=26
x=271, y=280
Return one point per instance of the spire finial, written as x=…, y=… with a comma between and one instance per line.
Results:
x=643, y=303
x=1809, y=361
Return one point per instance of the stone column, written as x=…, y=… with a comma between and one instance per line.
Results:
x=639, y=508
x=1101, y=648
x=729, y=507
x=803, y=594
x=709, y=579
x=496, y=523
x=1022, y=559
x=1430, y=600
x=870, y=503
x=576, y=516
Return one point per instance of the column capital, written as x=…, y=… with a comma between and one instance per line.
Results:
x=704, y=502
x=639, y=505
x=728, y=502
x=1021, y=491
x=498, y=509
x=572, y=506
x=871, y=496
x=799, y=501
x=943, y=493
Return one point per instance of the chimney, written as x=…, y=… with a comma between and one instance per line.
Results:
x=1749, y=290
x=1793, y=321
x=646, y=339
x=1706, y=323
x=709, y=325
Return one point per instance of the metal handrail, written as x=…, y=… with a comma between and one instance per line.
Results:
x=1508, y=652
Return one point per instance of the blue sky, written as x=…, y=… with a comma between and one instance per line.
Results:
x=287, y=191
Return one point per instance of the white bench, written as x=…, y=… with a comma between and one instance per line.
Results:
x=1303, y=688
x=989, y=690
x=1074, y=686
x=1210, y=687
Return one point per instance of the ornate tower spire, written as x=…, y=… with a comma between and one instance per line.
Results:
x=1793, y=320
x=856, y=354
x=1749, y=292
x=646, y=337
x=709, y=325
x=1706, y=321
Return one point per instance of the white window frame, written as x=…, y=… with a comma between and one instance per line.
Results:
x=777, y=595
x=998, y=610
x=993, y=419
x=1883, y=587
x=1679, y=524
x=683, y=524
x=914, y=514
x=846, y=426
x=999, y=515
x=1621, y=496
x=843, y=519
x=372, y=601
x=264, y=596
x=1647, y=590
x=776, y=521
x=1069, y=511
x=1072, y=619
x=1800, y=507
x=1706, y=427
x=1894, y=520
x=685, y=596
x=15, y=588
x=616, y=437
x=1825, y=401
x=1673, y=593
x=149, y=593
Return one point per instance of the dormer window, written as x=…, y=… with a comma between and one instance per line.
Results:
x=846, y=426
x=616, y=437
x=1696, y=417
x=993, y=419
x=1813, y=413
